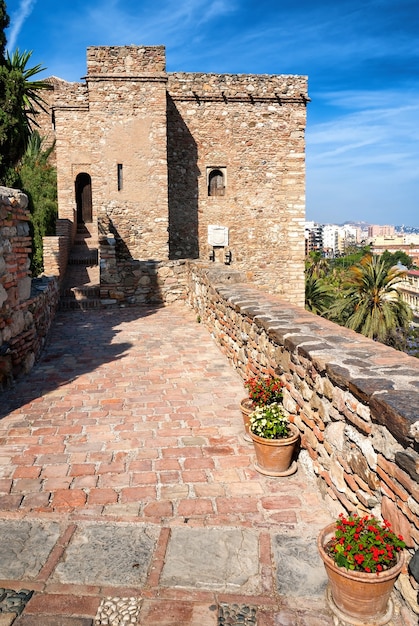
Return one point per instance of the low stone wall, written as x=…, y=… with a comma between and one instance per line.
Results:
x=27, y=306
x=355, y=401
x=139, y=282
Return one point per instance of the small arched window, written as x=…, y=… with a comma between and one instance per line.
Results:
x=216, y=183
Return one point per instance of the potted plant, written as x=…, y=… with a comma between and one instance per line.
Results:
x=261, y=391
x=275, y=440
x=363, y=558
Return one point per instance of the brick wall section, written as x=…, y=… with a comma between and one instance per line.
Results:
x=73, y=156
x=26, y=307
x=57, y=248
x=354, y=401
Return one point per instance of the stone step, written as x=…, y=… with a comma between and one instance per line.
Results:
x=67, y=303
x=82, y=292
x=84, y=257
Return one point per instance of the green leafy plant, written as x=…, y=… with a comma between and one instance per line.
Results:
x=364, y=544
x=265, y=390
x=270, y=421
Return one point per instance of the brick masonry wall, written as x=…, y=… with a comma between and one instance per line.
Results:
x=354, y=401
x=56, y=249
x=26, y=307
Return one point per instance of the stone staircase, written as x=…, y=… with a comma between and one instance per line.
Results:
x=81, y=284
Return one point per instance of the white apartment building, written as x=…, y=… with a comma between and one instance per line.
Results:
x=331, y=240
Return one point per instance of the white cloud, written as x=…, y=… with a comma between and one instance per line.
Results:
x=17, y=20
x=375, y=130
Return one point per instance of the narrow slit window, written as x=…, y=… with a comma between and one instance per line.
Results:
x=119, y=176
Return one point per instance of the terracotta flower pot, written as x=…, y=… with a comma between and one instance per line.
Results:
x=274, y=457
x=360, y=598
x=247, y=407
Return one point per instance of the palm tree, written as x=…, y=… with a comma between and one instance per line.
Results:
x=30, y=99
x=20, y=101
x=371, y=304
x=318, y=295
x=317, y=264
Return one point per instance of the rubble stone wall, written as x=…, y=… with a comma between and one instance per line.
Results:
x=27, y=306
x=355, y=401
x=139, y=282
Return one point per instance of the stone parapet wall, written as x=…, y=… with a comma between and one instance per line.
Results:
x=26, y=307
x=202, y=86
x=139, y=282
x=354, y=401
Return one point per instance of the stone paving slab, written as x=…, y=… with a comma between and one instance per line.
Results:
x=25, y=547
x=225, y=559
x=299, y=569
x=108, y=554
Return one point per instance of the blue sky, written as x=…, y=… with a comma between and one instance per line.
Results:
x=361, y=58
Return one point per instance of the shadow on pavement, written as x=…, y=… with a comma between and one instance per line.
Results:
x=78, y=342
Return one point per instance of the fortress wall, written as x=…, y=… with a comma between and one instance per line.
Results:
x=150, y=141
x=125, y=59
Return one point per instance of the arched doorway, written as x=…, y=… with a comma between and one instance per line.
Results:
x=83, y=187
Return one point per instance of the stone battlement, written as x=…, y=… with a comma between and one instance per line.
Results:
x=230, y=87
x=130, y=60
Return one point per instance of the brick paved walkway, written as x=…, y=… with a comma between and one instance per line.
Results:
x=131, y=419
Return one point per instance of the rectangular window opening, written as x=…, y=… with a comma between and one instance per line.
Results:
x=119, y=175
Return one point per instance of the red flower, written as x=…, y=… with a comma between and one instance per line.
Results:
x=365, y=544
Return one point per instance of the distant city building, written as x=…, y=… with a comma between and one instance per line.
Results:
x=334, y=240
x=375, y=230
x=330, y=240
x=406, y=243
x=313, y=237
x=409, y=289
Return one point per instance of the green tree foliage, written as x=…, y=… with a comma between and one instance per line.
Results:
x=316, y=264
x=392, y=258
x=39, y=181
x=318, y=294
x=371, y=304
x=19, y=102
x=4, y=23
x=350, y=259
